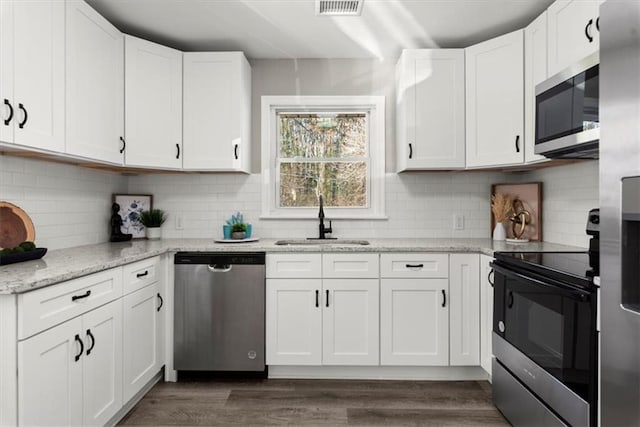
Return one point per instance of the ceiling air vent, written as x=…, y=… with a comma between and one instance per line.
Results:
x=339, y=7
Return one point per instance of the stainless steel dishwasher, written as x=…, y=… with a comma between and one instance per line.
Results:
x=219, y=311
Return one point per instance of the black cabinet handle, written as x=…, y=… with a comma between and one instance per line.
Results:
x=517, y=143
x=327, y=304
x=93, y=341
x=587, y=30
x=26, y=116
x=235, y=151
x=598, y=24
x=178, y=147
x=510, y=302
x=489, y=277
x=8, y=119
x=124, y=145
x=410, y=151
x=414, y=265
x=81, y=347
x=161, y=301
x=77, y=297
x=317, y=298
x=444, y=298
x=139, y=275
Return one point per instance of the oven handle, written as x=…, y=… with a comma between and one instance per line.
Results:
x=544, y=282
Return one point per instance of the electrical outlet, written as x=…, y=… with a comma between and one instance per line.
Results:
x=458, y=222
x=179, y=222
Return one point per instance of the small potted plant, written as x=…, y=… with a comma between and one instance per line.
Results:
x=152, y=220
x=238, y=228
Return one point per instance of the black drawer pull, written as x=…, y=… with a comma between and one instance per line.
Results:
x=587, y=30
x=8, y=119
x=178, y=147
x=410, y=151
x=124, y=145
x=317, y=298
x=161, y=301
x=235, y=151
x=139, y=275
x=414, y=265
x=327, y=304
x=81, y=347
x=93, y=341
x=517, y=143
x=77, y=297
x=444, y=298
x=490, y=277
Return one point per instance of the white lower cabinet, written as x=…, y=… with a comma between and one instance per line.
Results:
x=464, y=309
x=143, y=314
x=72, y=374
x=486, y=312
x=414, y=322
x=293, y=322
x=350, y=330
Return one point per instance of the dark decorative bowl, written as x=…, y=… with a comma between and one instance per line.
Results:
x=37, y=253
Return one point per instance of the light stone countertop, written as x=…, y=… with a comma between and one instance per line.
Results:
x=65, y=264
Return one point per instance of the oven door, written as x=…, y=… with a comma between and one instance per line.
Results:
x=548, y=337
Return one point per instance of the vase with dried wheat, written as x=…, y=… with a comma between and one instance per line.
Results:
x=501, y=207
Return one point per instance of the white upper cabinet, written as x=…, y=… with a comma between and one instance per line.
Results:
x=32, y=73
x=574, y=32
x=495, y=101
x=153, y=105
x=535, y=72
x=94, y=86
x=216, y=111
x=430, y=109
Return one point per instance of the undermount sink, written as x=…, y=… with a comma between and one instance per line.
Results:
x=321, y=242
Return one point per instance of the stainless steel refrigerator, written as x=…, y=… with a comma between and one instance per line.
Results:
x=620, y=212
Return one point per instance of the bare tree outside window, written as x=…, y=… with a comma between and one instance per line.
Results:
x=323, y=153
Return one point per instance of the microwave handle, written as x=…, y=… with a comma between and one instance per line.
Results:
x=517, y=143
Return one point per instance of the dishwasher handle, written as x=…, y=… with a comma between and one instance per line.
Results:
x=216, y=268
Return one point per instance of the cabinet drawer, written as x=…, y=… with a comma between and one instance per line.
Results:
x=347, y=266
x=140, y=274
x=414, y=265
x=44, y=308
x=294, y=266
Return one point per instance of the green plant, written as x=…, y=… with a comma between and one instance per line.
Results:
x=239, y=227
x=153, y=217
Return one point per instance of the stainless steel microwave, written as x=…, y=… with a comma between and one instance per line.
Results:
x=567, y=117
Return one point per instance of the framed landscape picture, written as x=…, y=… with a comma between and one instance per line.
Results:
x=130, y=207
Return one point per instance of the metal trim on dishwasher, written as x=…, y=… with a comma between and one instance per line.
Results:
x=564, y=401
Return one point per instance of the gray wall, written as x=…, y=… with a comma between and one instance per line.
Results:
x=322, y=77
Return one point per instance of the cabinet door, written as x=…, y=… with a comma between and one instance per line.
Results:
x=102, y=363
x=350, y=328
x=486, y=312
x=535, y=72
x=140, y=339
x=430, y=109
x=32, y=49
x=217, y=90
x=495, y=101
x=50, y=376
x=573, y=32
x=464, y=310
x=94, y=85
x=153, y=104
x=414, y=322
x=294, y=322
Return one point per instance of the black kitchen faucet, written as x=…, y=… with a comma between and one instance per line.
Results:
x=323, y=230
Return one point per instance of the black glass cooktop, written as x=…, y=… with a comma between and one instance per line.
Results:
x=571, y=267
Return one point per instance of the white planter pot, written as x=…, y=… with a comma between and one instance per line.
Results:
x=154, y=233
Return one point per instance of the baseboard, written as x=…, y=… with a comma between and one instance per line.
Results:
x=435, y=373
x=135, y=399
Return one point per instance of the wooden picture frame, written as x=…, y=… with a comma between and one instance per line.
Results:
x=130, y=207
x=530, y=194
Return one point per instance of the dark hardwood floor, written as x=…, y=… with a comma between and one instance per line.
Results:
x=206, y=402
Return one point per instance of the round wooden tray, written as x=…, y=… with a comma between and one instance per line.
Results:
x=15, y=226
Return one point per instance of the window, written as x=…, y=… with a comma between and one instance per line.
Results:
x=329, y=146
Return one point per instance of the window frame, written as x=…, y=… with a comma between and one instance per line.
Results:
x=374, y=106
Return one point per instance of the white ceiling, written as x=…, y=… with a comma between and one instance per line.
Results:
x=290, y=29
